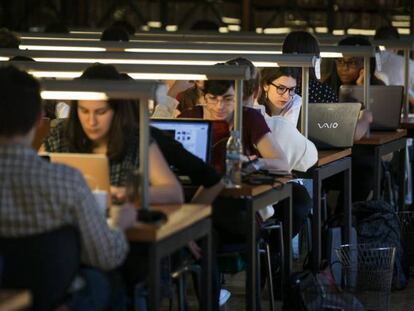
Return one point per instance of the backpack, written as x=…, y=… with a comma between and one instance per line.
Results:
x=377, y=222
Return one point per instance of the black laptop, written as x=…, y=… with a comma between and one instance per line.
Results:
x=385, y=103
x=193, y=134
x=332, y=125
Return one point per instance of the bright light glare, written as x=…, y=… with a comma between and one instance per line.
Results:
x=65, y=95
x=60, y=48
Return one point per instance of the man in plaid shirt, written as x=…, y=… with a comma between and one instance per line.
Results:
x=37, y=196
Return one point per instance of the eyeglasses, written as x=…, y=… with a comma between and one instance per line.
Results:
x=281, y=89
x=352, y=63
x=227, y=100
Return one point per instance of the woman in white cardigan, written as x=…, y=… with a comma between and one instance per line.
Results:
x=280, y=106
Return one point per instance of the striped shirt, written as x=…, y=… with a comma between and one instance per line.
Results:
x=37, y=196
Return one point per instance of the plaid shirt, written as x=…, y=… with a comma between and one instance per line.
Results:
x=37, y=196
x=119, y=170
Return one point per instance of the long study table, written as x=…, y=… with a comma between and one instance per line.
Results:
x=257, y=197
x=330, y=163
x=379, y=144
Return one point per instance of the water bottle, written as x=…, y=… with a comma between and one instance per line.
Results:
x=233, y=161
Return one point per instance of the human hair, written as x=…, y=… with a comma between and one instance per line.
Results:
x=124, y=24
x=8, y=39
x=122, y=126
x=301, y=42
x=249, y=86
x=217, y=87
x=21, y=58
x=268, y=75
x=115, y=33
x=386, y=32
x=20, y=103
x=56, y=27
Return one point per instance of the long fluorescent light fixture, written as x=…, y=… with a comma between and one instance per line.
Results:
x=60, y=48
x=97, y=89
x=259, y=60
x=138, y=72
x=67, y=95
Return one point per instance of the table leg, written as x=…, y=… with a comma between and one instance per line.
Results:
x=154, y=279
x=401, y=178
x=377, y=173
x=206, y=262
x=287, y=241
x=347, y=201
x=316, y=222
x=251, y=258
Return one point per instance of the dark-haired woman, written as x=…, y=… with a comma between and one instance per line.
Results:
x=109, y=127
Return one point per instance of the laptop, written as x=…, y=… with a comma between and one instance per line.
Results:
x=193, y=134
x=385, y=103
x=332, y=125
x=94, y=168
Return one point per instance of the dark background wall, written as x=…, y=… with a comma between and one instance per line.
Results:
x=335, y=14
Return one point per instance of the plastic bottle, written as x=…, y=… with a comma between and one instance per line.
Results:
x=233, y=161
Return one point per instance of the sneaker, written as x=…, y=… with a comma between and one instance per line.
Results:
x=224, y=296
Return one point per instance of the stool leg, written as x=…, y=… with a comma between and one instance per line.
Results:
x=269, y=277
x=180, y=292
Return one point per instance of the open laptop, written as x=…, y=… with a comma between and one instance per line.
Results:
x=193, y=134
x=94, y=168
x=332, y=125
x=385, y=103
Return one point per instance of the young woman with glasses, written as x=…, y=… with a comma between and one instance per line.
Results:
x=278, y=93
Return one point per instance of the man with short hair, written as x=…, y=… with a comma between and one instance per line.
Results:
x=37, y=196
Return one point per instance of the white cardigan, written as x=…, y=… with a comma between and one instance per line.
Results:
x=300, y=151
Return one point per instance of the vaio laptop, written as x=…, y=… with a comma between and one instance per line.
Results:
x=193, y=134
x=332, y=125
x=385, y=103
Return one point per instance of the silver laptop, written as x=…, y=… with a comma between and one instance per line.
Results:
x=332, y=125
x=385, y=103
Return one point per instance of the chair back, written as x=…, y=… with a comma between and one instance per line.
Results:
x=43, y=263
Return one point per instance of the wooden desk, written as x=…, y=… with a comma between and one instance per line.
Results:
x=185, y=223
x=408, y=125
x=378, y=145
x=255, y=198
x=330, y=163
x=13, y=300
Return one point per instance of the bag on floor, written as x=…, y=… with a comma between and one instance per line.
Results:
x=376, y=222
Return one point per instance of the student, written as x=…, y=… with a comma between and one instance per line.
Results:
x=392, y=64
x=109, y=127
x=278, y=93
x=115, y=33
x=349, y=70
x=8, y=39
x=219, y=96
x=303, y=42
x=300, y=152
x=38, y=196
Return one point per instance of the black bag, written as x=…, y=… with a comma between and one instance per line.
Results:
x=377, y=222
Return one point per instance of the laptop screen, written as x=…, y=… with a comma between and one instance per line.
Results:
x=194, y=135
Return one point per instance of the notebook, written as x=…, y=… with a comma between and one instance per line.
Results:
x=385, y=103
x=332, y=125
x=94, y=168
x=193, y=134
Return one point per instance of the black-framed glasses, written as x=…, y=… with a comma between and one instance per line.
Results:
x=281, y=89
x=352, y=63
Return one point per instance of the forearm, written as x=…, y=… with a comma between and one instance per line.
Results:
x=361, y=129
x=166, y=194
x=207, y=195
